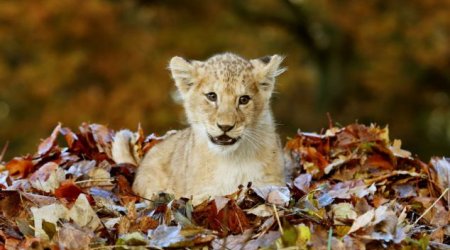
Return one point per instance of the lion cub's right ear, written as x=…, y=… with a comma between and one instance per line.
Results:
x=182, y=73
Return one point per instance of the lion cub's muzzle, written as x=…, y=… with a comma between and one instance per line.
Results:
x=223, y=140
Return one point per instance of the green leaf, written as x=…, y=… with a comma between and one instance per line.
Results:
x=49, y=228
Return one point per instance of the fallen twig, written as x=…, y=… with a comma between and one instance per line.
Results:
x=429, y=208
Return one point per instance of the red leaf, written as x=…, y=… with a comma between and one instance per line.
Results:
x=68, y=190
x=20, y=167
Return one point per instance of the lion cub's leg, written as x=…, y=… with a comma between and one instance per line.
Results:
x=154, y=173
x=162, y=169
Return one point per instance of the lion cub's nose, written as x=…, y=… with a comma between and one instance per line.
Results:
x=225, y=128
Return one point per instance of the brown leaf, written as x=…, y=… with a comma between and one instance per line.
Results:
x=146, y=223
x=230, y=219
x=314, y=161
x=71, y=236
x=10, y=203
x=124, y=225
x=47, y=144
x=39, y=200
x=48, y=177
x=70, y=136
x=124, y=190
x=233, y=241
x=125, y=169
x=355, y=134
x=441, y=167
x=102, y=134
x=9, y=242
x=362, y=221
x=380, y=162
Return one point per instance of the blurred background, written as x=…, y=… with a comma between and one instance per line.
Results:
x=105, y=61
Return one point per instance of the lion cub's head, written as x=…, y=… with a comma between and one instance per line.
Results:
x=226, y=97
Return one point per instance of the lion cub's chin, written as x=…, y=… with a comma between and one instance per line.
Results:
x=223, y=149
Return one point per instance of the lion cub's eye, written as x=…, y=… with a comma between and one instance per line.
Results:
x=211, y=96
x=244, y=99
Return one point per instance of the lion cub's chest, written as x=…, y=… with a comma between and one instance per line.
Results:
x=225, y=175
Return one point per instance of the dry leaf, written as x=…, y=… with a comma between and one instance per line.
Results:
x=362, y=221
x=348, y=181
x=48, y=177
x=47, y=144
x=73, y=237
x=51, y=214
x=20, y=167
x=273, y=194
x=83, y=214
x=164, y=236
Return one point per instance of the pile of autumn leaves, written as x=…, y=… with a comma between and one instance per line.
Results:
x=352, y=188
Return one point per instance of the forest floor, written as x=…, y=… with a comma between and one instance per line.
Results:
x=352, y=188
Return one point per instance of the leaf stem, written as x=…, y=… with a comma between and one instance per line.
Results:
x=278, y=218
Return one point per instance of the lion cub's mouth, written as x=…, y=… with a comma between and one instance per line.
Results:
x=223, y=140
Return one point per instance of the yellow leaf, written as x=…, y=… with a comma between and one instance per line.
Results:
x=304, y=235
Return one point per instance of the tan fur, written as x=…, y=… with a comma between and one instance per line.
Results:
x=188, y=162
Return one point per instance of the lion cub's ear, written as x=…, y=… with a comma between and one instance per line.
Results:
x=266, y=69
x=182, y=73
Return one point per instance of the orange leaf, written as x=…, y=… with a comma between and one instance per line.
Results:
x=379, y=161
x=20, y=167
x=147, y=223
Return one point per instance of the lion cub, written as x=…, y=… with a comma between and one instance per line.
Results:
x=231, y=139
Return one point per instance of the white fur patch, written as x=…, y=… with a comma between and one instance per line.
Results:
x=231, y=173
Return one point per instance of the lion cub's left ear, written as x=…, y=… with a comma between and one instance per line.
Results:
x=182, y=73
x=266, y=69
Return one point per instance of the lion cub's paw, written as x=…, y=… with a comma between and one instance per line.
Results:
x=122, y=147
